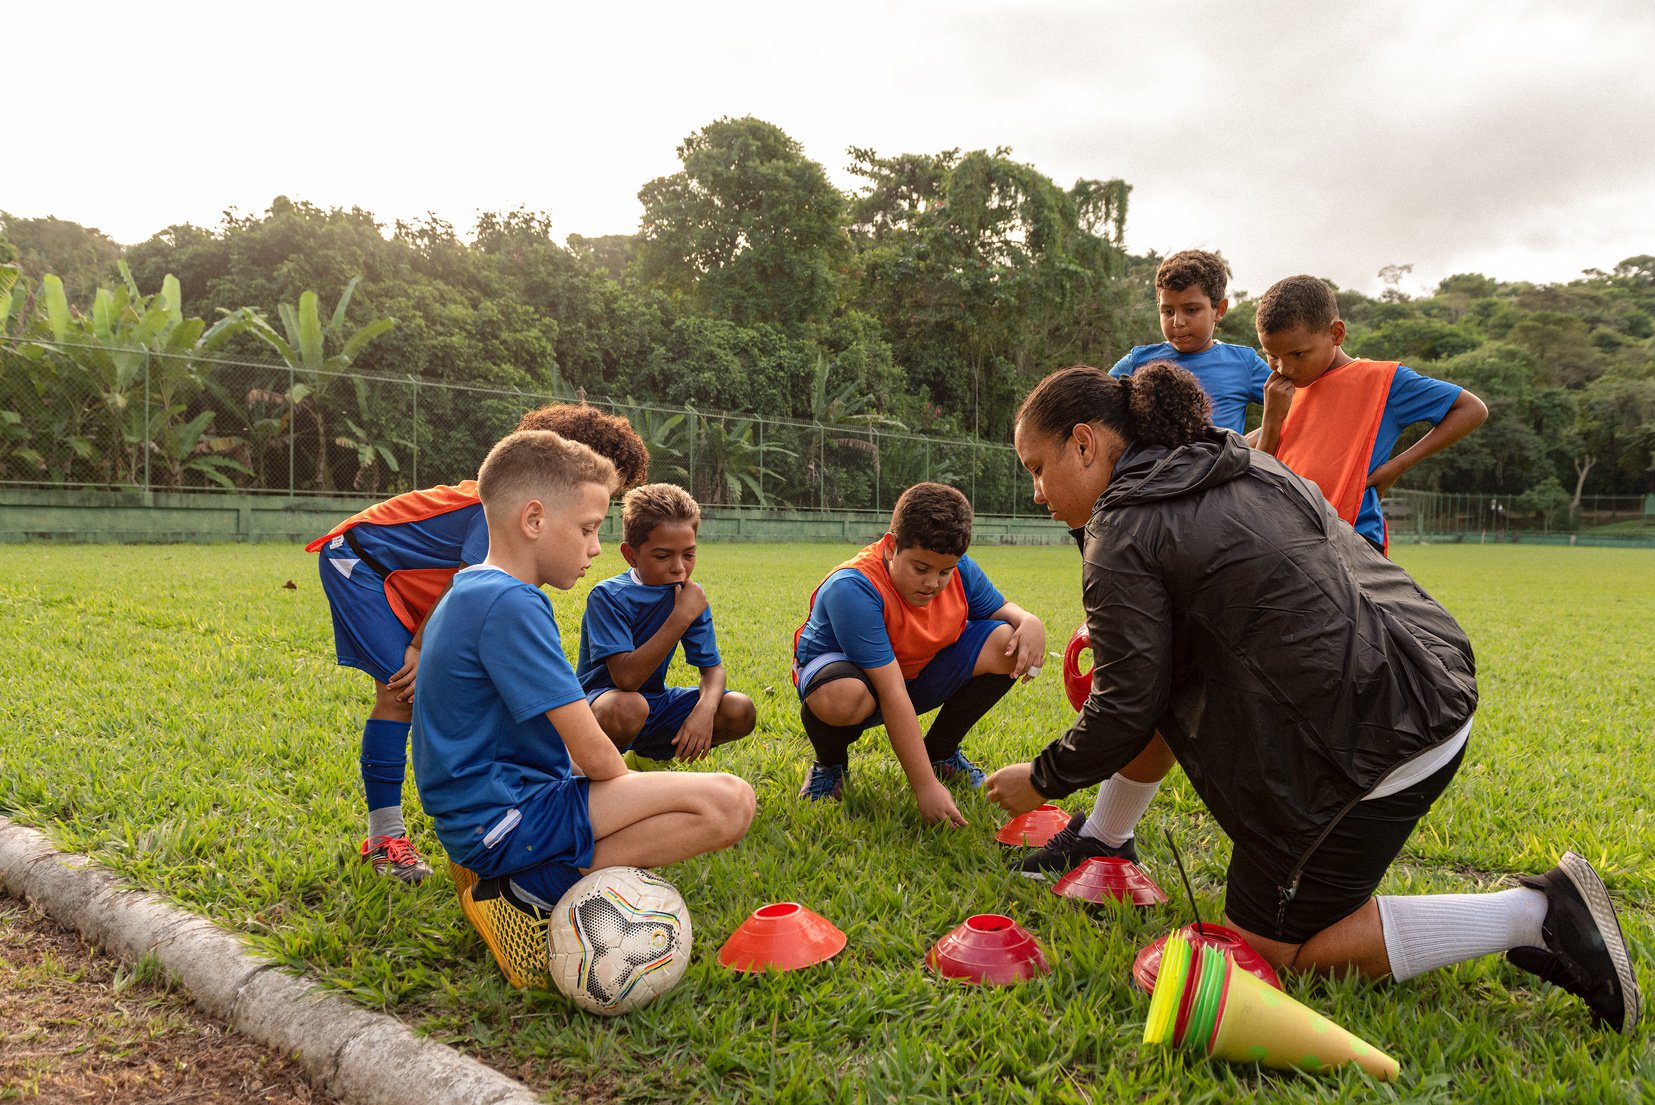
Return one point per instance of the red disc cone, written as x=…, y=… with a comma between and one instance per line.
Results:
x=1032, y=829
x=781, y=936
x=1102, y=878
x=988, y=948
x=1148, y=962
x=1077, y=684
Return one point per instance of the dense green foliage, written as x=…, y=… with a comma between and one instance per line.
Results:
x=215, y=760
x=934, y=295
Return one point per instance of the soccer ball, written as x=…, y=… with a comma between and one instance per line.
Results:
x=619, y=938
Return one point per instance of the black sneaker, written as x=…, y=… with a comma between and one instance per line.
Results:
x=1585, y=952
x=1067, y=849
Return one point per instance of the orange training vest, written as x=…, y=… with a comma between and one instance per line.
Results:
x=917, y=633
x=411, y=592
x=1329, y=431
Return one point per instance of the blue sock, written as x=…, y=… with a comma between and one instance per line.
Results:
x=384, y=762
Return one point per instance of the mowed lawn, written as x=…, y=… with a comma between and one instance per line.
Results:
x=176, y=712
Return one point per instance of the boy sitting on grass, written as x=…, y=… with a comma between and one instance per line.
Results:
x=383, y=571
x=1334, y=419
x=633, y=624
x=909, y=624
x=500, y=715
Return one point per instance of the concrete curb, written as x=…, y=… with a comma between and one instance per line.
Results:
x=361, y=1057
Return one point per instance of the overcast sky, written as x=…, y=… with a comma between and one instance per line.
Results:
x=1508, y=138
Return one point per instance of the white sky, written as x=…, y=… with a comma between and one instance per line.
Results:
x=1293, y=135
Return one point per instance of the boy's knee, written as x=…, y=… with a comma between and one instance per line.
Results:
x=387, y=707
x=992, y=659
x=738, y=715
x=735, y=805
x=842, y=702
x=622, y=715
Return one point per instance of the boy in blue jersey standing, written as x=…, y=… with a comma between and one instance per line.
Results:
x=633, y=624
x=1190, y=295
x=500, y=717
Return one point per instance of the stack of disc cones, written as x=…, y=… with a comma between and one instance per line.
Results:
x=1203, y=1001
x=1226, y=940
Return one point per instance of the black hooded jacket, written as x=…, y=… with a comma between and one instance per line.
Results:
x=1287, y=664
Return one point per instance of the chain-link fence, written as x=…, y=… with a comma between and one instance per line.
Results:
x=76, y=417
x=1482, y=517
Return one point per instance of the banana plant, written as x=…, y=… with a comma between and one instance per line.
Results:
x=303, y=348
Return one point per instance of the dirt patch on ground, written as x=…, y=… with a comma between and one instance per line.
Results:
x=76, y=1025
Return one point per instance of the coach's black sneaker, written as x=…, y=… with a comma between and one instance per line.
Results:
x=1585, y=952
x=1067, y=849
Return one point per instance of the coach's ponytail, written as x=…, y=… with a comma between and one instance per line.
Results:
x=1162, y=405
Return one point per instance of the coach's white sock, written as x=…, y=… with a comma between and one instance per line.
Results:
x=1427, y=931
x=1121, y=803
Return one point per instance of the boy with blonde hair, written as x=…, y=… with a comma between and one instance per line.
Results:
x=633, y=624
x=500, y=716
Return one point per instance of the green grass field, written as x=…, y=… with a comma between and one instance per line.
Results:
x=176, y=712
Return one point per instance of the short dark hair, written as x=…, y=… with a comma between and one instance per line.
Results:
x=538, y=463
x=933, y=517
x=656, y=504
x=608, y=435
x=1302, y=300
x=1160, y=404
x=1194, y=266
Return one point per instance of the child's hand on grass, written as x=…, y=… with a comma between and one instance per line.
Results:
x=936, y=805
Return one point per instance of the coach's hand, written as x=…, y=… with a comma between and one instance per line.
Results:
x=1010, y=789
x=936, y=805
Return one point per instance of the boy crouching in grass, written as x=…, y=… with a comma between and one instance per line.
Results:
x=634, y=623
x=909, y=624
x=499, y=717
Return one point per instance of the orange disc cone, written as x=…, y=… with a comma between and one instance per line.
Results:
x=1032, y=829
x=782, y=936
x=1259, y=1024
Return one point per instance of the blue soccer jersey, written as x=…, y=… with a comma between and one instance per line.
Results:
x=1412, y=398
x=492, y=664
x=849, y=616
x=1231, y=375
x=622, y=613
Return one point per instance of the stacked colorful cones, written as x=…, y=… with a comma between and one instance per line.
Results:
x=988, y=948
x=1226, y=940
x=1032, y=829
x=781, y=936
x=1203, y=1000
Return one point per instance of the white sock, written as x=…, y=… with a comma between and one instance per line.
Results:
x=1121, y=802
x=1427, y=931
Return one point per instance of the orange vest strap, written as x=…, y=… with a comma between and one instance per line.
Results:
x=917, y=633
x=1329, y=431
x=412, y=506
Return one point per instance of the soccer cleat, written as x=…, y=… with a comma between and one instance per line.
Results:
x=1067, y=849
x=637, y=762
x=514, y=931
x=1585, y=952
x=825, y=781
x=396, y=856
x=957, y=768
x=464, y=877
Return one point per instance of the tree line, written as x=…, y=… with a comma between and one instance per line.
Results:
x=928, y=300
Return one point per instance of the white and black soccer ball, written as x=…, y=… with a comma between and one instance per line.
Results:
x=619, y=938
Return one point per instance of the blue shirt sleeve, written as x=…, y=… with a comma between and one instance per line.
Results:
x=526, y=663
x=474, y=546
x=981, y=596
x=1415, y=398
x=701, y=643
x=856, y=614
x=1123, y=367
